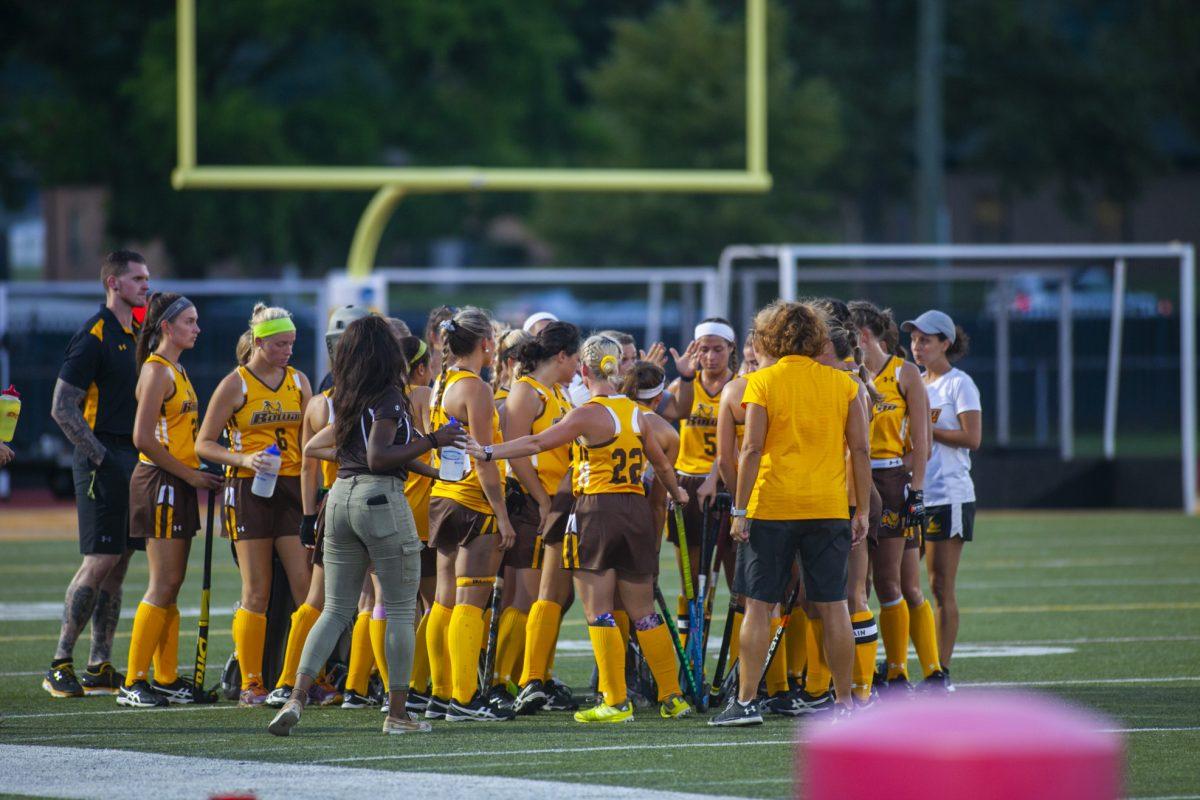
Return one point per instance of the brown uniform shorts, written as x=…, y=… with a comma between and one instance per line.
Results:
x=615, y=532
x=693, y=517
x=452, y=525
x=245, y=515
x=526, y=521
x=428, y=561
x=161, y=506
x=890, y=483
x=561, y=506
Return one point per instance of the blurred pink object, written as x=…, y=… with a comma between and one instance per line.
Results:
x=976, y=747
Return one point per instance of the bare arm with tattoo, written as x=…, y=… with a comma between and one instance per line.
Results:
x=67, y=410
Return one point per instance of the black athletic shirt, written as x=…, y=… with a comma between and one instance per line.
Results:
x=352, y=455
x=101, y=361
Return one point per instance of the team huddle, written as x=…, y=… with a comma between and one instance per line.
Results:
x=447, y=498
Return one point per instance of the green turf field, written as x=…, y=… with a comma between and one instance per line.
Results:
x=1099, y=609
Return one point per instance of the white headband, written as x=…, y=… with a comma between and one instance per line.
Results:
x=652, y=392
x=534, y=319
x=714, y=329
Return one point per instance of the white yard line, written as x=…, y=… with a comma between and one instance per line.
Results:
x=550, y=750
x=1080, y=682
x=79, y=773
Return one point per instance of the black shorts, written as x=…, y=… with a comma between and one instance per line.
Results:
x=102, y=498
x=943, y=523
x=764, y=563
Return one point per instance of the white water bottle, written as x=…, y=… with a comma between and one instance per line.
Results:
x=264, y=479
x=453, y=461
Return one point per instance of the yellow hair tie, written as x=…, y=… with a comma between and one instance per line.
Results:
x=273, y=326
x=608, y=365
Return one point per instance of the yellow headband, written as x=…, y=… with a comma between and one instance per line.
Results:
x=420, y=351
x=273, y=326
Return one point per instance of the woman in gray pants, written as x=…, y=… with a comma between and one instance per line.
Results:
x=367, y=518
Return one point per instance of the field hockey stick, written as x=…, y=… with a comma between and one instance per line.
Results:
x=693, y=688
x=784, y=616
x=489, y=658
x=698, y=635
x=199, y=695
x=715, y=694
x=685, y=566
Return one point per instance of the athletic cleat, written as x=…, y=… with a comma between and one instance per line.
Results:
x=352, y=699
x=386, y=706
x=180, y=691
x=811, y=704
x=437, y=708
x=603, y=713
x=898, y=688
x=408, y=724
x=674, y=707
x=60, y=681
x=785, y=704
x=559, y=697
x=937, y=683
x=101, y=680
x=278, y=697
x=842, y=713
x=532, y=696
x=872, y=702
x=478, y=710
x=256, y=695
x=737, y=714
x=498, y=697
x=324, y=693
x=949, y=683
x=286, y=719
x=417, y=702
x=140, y=695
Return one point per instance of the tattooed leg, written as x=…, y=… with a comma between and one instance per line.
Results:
x=107, y=612
x=81, y=600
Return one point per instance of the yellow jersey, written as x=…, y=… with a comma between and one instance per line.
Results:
x=802, y=474
x=698, y=432
x=416, y=490
x=551, y=465
x=889, y=426
x=614, y=467
x=268, y=416
x=178, y=417
x=501, y=394
x=328, y=468
x=466, y=492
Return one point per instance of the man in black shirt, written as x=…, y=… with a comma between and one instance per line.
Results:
x=94, y=404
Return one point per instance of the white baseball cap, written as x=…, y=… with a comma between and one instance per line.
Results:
x=930, y=322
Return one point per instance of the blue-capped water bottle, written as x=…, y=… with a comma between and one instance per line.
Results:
x=264, y=479
x=453, y=460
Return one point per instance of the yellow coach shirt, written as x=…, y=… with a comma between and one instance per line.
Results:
x=802, y=474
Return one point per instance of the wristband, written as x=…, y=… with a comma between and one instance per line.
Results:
x=691, y=377
x=432, y=441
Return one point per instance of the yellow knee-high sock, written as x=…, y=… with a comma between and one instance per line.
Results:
x=541, y=632
x=923, y=629
x=735, y=637
x=148, y=624
x=362, y=659
x=777, y=681
x=893, y=624
x=418, y=679
x=819, y=675
x=249, y=638
x=437, y=643
x=681, y=618
x=660, y=657
x=510, y=641
x=622, y=619
x=466, y=634
x=166, y=655
x=303, y=619
x=796, y=638
x=553, y=647
x=487, y=626
x=378, y=628
x=866, y=648
x=610, y=660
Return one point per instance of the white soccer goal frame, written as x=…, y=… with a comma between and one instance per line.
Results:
x=895, y=265
x=372, y=290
